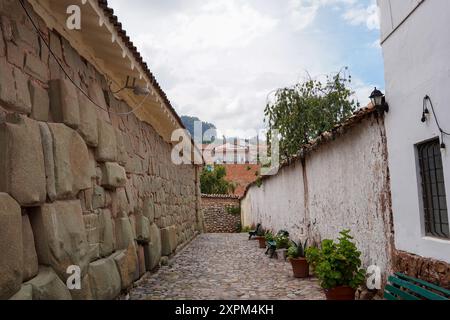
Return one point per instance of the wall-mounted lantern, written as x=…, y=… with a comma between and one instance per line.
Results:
x=379, y=101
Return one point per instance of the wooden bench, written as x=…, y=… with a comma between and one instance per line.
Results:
x=402, y=287
x=254, y=233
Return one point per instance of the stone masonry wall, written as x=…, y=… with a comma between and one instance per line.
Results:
x=433, y=271
x=215, y=214
x=79, y=185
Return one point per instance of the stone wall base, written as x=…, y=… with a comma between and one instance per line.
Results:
x=430, y=270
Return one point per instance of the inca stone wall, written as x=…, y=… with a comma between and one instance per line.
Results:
x=79, y=185
x=216, y=217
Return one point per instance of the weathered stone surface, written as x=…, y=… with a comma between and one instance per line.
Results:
x=126, y=261
x=168, y=240
x=7, y=85
x=142, y=227
x=98, y=198
x=14, y=54
x=36, y=68
x=121, y=150
x=153, y=249
x=60, y=236
x=141, y=261
x=88, y=127
x=11, y=247
x=2, y=44
x=49, y=160
x=104, y=279
x=120, y=205
x=30, y=259
x=23, y=98
x=149, y=209
x=91, y=224
x=64, y=103
x=124, y=233
x=40, y=102
x=107, y=146
x=47, y=286
x=113, y=175
x=25, y=293
x=85, y=293
x=74, y=169
x=107, y=235
x=96, y=93
x=22, y=171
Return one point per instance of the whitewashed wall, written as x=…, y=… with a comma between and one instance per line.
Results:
x=417, y=63
x=346, y=186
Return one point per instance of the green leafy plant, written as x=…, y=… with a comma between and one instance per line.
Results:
x=296, y=251
x=261, y=232
x=282, y=240
x=269, y=236
x=233, y=210
x=212, y=181
x=302, y=112
x=337, y=263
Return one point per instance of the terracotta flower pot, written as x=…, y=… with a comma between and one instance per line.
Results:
x=300, y=267
x=340, y=293
x=262, y=242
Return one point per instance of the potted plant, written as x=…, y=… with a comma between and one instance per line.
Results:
x=263, y=240
x=296, y=254
x=282, y=242
x=337, y=265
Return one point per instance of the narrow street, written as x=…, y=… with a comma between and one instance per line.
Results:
x=225, y=267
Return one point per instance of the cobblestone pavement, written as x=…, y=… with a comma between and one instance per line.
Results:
x=225, y=267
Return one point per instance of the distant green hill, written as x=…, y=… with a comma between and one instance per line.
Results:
x=189, y=124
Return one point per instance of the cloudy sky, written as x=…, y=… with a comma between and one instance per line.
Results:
x=220, y=59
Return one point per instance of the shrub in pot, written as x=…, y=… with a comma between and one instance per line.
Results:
x=337, y=265
x=296, y=254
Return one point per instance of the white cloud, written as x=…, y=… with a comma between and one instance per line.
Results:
x=219, y=59
x=368, y=16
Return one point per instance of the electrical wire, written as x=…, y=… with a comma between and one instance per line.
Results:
x=38, y=31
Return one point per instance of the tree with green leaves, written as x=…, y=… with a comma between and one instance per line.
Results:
x=212, y=181
x=306, y=110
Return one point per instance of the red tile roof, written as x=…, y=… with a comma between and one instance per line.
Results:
x=242, y=175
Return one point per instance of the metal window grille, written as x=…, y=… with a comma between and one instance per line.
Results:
x=433, y=189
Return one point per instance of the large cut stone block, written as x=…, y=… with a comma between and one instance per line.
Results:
x=104, y=279
x=47, y=286
x=85, y=293
x=124, y=233
x=107, y=236
x=142, y=227
x=120, y=204
x=49, y=160
x=22, y=171
x=25, y=293
x=122, y=155
x=14, y=93
x=60, y=236
x=30, y=259
x=88, y=127
x=126, y=261
x=91, y=224
x=113, y=175
x=64, y=103
x=40, y=102
x=168, y=240
x=107, y=146
x=11, y=248
x=153, y=249
x=74, y=169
